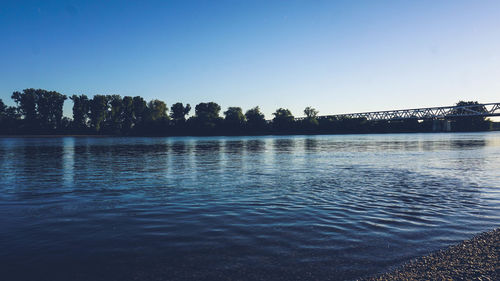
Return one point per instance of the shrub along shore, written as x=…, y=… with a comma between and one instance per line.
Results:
x=40, y=112
x=474, y=259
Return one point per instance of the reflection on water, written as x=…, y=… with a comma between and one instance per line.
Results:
x=467, y=144
x=284, y=144
x=311, y=144
x=234, y=146
x=253, y=208
x=255, y=145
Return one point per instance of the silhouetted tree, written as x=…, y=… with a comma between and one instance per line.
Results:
x=50, y=109
x=157, y=110
x=114, y=118
x=139, y=106
x=178, y=112
x=42, y=110
x=207, y=111
x=26, y=104
x=12, y=113
x=283, y=120
x=128, y=115
x=9, y=119
x=3, y=108
x=3, y=113
x=206, y=119
x=234, y=120
x=98, y=111
x=81, y=107
x=310, y=112
x=256, y=121
x=310, y=124
x=234, y=115
x=156, y=118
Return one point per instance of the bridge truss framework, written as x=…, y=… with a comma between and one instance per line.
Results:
x=445, y=112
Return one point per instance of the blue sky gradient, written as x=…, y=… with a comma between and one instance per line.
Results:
x=337, y=56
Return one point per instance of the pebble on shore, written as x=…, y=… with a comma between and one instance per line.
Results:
x=474, y=259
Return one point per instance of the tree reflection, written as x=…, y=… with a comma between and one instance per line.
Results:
x=284, y=144
x=41, y=161
x=234, y=147
x=256, y=145
x=311, y=145
x=208, y=162
x=467, y=144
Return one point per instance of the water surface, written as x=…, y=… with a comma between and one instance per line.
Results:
x=247, y=208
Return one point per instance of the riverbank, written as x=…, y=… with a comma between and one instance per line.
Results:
x=474, y=259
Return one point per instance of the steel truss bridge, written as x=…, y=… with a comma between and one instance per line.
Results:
x=435, y=113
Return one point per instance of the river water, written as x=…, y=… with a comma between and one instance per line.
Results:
x=240, y=208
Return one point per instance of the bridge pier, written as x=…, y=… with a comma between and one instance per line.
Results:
x=440, y=125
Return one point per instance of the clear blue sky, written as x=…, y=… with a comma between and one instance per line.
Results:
x=337, y=56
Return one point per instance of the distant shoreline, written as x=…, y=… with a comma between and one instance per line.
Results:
x=475, y=259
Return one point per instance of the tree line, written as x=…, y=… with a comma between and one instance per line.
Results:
x=39, y=111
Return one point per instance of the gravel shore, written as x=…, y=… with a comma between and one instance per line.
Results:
x=474, y=259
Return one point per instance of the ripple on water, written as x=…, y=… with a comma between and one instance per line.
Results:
x=284, y=208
